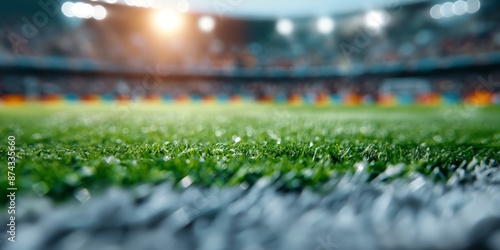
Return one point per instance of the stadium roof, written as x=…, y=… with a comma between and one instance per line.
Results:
x=280, y=8
x=257, y=9
x=287, y=8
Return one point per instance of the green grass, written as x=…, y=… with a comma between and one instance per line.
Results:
x=62, y=149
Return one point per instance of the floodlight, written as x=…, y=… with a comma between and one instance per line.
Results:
x=168, y=21
x=436, y=11
x=447, y=9
x=284, y=26
x=375, y=20
x=325, y=25
x=99, y=12
x=67, y=9
x=473, y=6
x=206, y=24
x=459, y=7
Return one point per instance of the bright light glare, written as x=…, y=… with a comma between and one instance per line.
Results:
x=77, y=9
x=284, y=27
x=67, y=9
x=473, y=6
x=99, y=12
x=459, y=7
x=375, y=20
x=436, y=11
x=206, y=24
x=82, y=10
x=447, y=9
x=182, y=6
x=325, y=25
x=168, y=20
x=139, y=3
x=88, y=11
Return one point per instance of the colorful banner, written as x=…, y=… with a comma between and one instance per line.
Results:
x=477, y=98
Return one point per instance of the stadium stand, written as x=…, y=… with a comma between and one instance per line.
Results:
x=112, y=57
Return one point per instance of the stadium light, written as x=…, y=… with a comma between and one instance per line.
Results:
x=206, y=24
x=447, y=9
x=459, y=7
x=139, y=3
x=375, y=20
x=436, y=11
x=473, y=6
x=168, y=21
x=67, y=9
x=130, y=2
x=182, y=6
x=284, y=27
x=325, y=25
x=99, y=12
x=83, y=10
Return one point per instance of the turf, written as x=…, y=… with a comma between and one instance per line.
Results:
x=63, y=149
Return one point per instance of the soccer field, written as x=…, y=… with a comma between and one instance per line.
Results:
x=66, y=148
x=254, y=177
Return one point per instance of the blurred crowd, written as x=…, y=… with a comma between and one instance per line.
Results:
x=407, y=38
x=455, y=87
x=103, y=43
x=110, y=41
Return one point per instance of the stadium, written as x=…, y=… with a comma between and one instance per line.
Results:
x=250, y=124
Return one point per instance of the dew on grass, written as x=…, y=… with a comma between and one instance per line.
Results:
x=112, y=129
x=437, y=138
x=72, y=179
x=18, y=132
x=36, y=136
x=86, y=171
x=111, y=159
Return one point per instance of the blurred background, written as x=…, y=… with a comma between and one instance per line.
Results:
x=310, y=52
